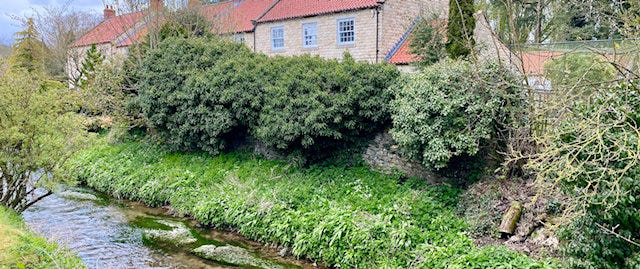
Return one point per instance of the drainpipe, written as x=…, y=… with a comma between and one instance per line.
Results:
x=255, y=24
x=378, y=7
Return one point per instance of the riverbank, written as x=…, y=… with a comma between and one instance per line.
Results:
x=344, y=216
x=20, y=248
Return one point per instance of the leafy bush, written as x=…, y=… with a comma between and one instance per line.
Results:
x=181, y=90
x=450, y=109
x=592, y=155
x=347, y=217
x=574, y=71
x=199, y=92
x=315, y=102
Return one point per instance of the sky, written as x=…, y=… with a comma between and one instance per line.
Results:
x=23, y=8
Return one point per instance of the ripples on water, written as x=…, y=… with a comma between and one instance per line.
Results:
x=101, y=235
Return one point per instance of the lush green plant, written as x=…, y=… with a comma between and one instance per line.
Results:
x=348, y=217
x=20, y=248
x=198, y=92
x=427, y=41
x=592, y=156
x=38, y=132
x=578, y=72
x=451, y=109
x=180, y=91
x=28, y=51
x=460, y=27
x=315, y=103
x=93, y=59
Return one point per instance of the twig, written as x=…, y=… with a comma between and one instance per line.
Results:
x=614, y=233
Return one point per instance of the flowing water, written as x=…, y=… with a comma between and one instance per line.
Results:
x=106, y=234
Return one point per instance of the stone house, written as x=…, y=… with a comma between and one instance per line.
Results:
x=370, y=30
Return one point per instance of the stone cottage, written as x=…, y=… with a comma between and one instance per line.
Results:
x=370, y=30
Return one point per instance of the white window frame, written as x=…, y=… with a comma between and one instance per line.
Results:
x=313, y=36
x=239, y=38
x=273, y=38
x=339, y=31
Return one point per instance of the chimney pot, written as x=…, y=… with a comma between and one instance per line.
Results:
x=109, y=12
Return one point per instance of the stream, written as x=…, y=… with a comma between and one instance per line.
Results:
x=108, y=233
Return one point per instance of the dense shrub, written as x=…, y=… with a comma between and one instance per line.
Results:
x=199, y=92
x=450, y=109
x=184, y=93
x=315, y=103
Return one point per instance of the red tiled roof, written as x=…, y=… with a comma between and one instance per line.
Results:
x=287, y=9
x=236, y=16
x=110, y=29
x=403, y=55
x=533, y=62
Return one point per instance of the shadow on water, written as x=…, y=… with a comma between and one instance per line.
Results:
x=119, y=234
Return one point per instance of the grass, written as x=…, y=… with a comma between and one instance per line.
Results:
x=20, y=248
x=348, y=217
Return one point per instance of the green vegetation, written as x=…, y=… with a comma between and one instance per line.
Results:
x=344, y=216
x=39, y=130
x=427, y=41
x=460, y=27
x=199, y=93
x=29, y=51
x=20, y=248
x=592, y=157
x=579, y=72
x=451, y=109
x=93, y=59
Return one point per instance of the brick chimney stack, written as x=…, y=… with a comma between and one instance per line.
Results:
x=156, y=5
x=109, y=12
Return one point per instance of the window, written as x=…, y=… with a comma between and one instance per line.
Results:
x=277, y=38
x=238, y=38
x=310, y=35
x=346, y=32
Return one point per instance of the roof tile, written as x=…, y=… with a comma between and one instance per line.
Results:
x=110, y=29
x=287, y=9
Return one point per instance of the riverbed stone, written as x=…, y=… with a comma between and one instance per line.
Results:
x=69, y=194
x=179, y=234
x=234, y=255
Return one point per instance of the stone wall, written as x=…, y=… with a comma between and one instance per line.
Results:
x=382, y=155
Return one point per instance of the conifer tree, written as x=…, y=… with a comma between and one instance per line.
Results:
x=28, y=51
x=93, y=59
x=460, y=28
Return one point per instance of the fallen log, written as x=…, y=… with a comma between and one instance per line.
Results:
x=510, y=219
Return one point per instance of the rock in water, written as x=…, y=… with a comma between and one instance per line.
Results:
x=179, y=234
x=234, y=255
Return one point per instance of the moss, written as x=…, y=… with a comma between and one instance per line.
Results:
x=149, y=223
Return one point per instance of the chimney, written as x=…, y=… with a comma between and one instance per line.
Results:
x=156, y=5
x=109, y=12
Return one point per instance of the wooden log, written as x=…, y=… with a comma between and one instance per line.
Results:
x=511, y=218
